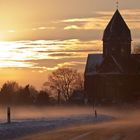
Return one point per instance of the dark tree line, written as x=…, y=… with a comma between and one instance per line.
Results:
x=13, y=94
x=63, y=85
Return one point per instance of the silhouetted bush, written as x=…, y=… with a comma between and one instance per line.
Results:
x=43, y=98
x=77, y=97
x=27, y=95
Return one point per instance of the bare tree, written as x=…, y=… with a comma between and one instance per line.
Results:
x=9, y=91
x=65, y=81
x=10, y=86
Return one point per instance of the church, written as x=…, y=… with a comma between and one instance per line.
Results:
x=115, y=74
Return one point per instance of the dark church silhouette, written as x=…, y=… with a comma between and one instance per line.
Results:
x=115, y=74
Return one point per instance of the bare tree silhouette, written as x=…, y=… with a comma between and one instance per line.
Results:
x=64, y=81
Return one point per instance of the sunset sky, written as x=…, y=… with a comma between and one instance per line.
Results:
x=38, y=36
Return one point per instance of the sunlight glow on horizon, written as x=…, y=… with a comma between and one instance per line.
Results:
x=24, y=53
x=26, y=61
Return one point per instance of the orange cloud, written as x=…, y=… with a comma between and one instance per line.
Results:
x=101, y=20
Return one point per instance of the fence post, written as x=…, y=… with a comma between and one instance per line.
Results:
x=96, y=113
x=8, y=115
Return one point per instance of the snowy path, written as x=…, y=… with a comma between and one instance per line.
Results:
x=21, y=128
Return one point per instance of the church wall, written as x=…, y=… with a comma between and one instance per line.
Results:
x=112, y=86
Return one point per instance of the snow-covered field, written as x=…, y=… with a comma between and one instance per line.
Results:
x=32, y=124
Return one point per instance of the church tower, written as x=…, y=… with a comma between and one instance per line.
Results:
x=117, y=37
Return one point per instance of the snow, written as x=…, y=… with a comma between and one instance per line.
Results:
x=93, y=61
x=19, y=128
x=29, y=119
